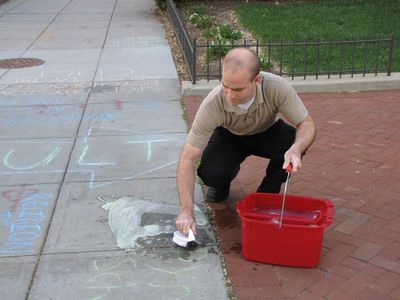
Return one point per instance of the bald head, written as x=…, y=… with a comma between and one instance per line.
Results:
x=239, y=59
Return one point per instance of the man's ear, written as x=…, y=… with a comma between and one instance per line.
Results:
x=257, y=79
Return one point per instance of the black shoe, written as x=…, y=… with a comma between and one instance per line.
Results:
x=215, y=195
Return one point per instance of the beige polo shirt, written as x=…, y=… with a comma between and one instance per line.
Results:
x=274, y=94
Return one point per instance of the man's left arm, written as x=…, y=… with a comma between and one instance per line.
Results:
x=305, y=135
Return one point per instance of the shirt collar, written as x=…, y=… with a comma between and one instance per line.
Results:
x=246, y=106
x=236, y=109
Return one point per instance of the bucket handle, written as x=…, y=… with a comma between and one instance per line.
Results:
x=329, y=213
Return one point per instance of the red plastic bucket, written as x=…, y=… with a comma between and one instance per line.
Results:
x=297, y=243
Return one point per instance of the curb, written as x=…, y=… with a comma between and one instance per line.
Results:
x=346, y=83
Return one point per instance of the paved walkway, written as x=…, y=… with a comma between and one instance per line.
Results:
x=354, y=162
x=99, y=122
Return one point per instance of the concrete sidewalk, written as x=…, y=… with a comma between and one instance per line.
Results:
x=100, y=121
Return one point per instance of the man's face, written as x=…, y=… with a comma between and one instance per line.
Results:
x=239, y=86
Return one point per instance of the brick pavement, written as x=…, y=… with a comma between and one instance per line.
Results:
x=355, y=163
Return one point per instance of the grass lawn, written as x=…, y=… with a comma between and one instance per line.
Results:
x=326, y=20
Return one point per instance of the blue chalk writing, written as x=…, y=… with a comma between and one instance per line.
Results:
x=25, y=224
x=65, y=118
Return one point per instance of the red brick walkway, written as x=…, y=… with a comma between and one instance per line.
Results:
x=355, y=162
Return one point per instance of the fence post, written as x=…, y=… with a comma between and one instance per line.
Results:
x=390, y=56
x=194, y=58
x=269, y=55
x=365, y=58
x=341, y=59
x=208, y=59
x=318, y=58
x=281, y=58
x=293, y=59
x=257, y=47
x=305, y=61
x=353, y=53
x=329, y=59
x=220, y=61
x=376, y=57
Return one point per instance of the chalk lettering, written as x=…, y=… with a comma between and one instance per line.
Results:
x=23, y=236
x=81, y=159
x=108, y=279
x=77, y=88
x=148, y=142
x=43, y=162
x=25, y=223
x=24, y=226
x=17, y=247
x=15, y=196
x=102, y=117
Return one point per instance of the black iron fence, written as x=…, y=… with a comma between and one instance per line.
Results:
x=187, y=44
x=289, y=59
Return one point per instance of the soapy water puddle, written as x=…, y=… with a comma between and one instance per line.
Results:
x=141, y=224
x=163, y=247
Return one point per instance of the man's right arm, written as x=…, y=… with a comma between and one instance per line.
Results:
x=186, y=179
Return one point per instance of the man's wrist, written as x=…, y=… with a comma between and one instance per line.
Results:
x=187, y=209
x=296, y=147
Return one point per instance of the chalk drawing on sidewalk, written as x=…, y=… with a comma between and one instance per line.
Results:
x=52, y=77
x=108, y=278
x=82, y=88
x=34, y=100
x=122, y=74
x=47, y=153
x=135, y=42
x=132, y=86
x=149, y=146
x=43, y=162
x=68, y=76
x=42, y=156
x=135, y=221
x=82, y=156
x=46, y=89
x=54, y=113
x=15, y=195
x=93, y=183
x=25, y=223
x=112, y=276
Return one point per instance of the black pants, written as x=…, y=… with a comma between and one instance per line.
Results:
x=225, y=152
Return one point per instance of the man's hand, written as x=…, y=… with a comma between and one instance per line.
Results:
x=293, y=156
x=186, y=221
